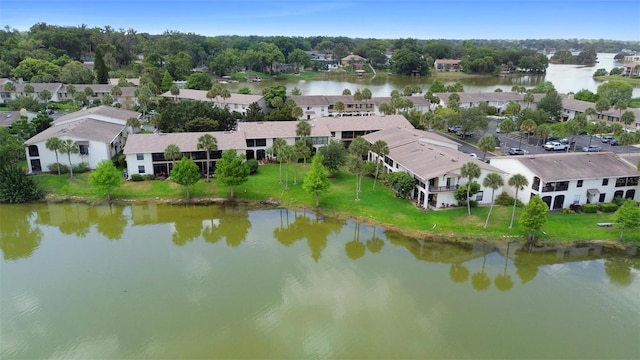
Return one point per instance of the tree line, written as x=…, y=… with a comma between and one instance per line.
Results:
x=47, y=53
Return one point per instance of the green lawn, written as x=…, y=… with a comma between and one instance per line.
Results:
x=379, y=206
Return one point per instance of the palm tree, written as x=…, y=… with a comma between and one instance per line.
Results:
x=54, y=144
x=381, y=149
x=590, y=111
x=470, y=171
x=134, y=123
x=278, y=144
x=287, y=153
x=69, y=147
x=44, y=95
x=29, y=90
x=172, y=152
x=518, y=181
x=72, y=91
x=115, y=92
x=529, y=126
x=487, y=143
x=528, y=98
x=542, y=132
x=225, y=94
x=346, y=92
x=602, y=105
x=493, y=181
x=208, y=143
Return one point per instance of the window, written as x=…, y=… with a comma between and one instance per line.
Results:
x=479, y=196
x=141, y=169
x=536, y=183
x=261, y=142
x=579, y=183
x=621, y=182
x=605, y=182
x=35, y=165
x=84, y=149
x=33, y=150
x=602, y=196
x=139, y=156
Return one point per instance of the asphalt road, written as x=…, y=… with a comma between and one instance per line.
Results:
x=533, y=145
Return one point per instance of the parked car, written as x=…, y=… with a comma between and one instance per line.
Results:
x=516, y=151
x=606, y=139
x=591, y=148
x=613, y=142
x=454, y=128
x=461, y=134
x=567, y=141
x=555, y=146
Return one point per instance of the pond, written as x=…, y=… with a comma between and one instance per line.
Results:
x=565, y=78
x=166, y=281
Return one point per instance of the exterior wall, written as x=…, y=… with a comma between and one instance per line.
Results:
x=97, y=152
x=133, y=164
x=572, y=195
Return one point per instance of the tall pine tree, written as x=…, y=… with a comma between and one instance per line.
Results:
x=102, y=72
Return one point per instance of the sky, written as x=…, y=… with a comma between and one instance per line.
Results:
x=388, y=19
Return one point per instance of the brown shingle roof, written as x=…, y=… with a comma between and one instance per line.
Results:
x=103, y=110
x=396, y=136
x=576, y=166
x=84, y=129
x=279, y=129
x=187, y=141
x=202, y=96
x=363, y=123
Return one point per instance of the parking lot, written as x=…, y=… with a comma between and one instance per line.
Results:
x=533, y=145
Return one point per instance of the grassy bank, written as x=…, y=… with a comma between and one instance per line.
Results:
x=379, y=206
x=632, y=81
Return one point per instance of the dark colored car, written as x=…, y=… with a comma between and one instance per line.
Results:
x=613, y=142
x=516, y=151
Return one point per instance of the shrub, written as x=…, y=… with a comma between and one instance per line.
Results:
x=83, y=167
x=252, y=165
x=149, y=177
x=505, y=199
x=590, y=208
x=618, y=200
x=608, y=207
x=119, y=160
x=64, y=169
x=568, y=211
x=137, y=177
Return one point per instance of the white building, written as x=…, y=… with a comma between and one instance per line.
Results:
x=434, y=161
x=100, y=133
x=568, y=179
x=236, y=102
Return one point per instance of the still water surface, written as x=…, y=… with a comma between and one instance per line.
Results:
x=565, y=78
x=161, y=281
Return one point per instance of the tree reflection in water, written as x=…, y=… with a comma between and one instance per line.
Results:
x=480, y=281
x=375, y=244
x=355, y=249
x=503, y=281
x=308, y=226
x=110, y=221
x=458, y=273
x=18, y=237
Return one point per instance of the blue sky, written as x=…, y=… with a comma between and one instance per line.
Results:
x=420, y=19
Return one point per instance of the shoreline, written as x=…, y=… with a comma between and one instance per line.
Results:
x=266, y=204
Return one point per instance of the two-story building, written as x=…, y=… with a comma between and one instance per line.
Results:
x=99, y=132
x=447, y=65
x=434, y=161
x=568, y=179
x=236, y=102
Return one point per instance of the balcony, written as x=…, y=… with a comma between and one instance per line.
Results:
x=443, y=188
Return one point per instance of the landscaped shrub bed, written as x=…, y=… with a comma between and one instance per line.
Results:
x=608, y=207
x=590, y=208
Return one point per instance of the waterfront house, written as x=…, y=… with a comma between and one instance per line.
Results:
x=99, y=132
x=236, y=102
x=434, y=161
x=447, y=65
x=566, y=179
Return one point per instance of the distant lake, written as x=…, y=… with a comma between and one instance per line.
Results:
x=189, y=282
x=566, y=78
